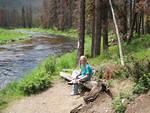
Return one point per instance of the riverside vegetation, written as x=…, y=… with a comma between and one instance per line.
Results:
x=137, y=67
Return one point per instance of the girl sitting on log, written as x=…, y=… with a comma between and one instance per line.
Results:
x=85, y=75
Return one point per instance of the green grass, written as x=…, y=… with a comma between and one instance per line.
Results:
x=67, y=33
x=7, y=35
x=121, y=101
x=66, y=61
x=10, y=93
x=139, y=48
x=40, y=78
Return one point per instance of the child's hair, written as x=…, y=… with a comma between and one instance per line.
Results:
x=84, y=59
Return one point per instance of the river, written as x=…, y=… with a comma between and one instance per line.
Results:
x=19, y=58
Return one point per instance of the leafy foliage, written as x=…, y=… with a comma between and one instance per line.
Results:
x=66, y=61
x=50, y=65
x=143, y=85
x=11, y=92
x=120, y=102
x=35, y=83
x=140, y=71
x=121, y=73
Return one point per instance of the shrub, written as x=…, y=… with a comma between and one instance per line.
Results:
x=118, y=106
x=120, y=102
x=50, y=65
x=121, y=73
x=35, y=83
x=10, y=92
x=143, y=85
x=66, y=61
x=140, y=71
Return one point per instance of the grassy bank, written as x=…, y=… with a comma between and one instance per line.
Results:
x=8, y=35
x=38, y=80
x=67, y=33
x=41, y=78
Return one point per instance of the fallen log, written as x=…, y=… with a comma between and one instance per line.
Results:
x=94, y=86
x=77, y=109
x=88, y=84
x=95, y=89
x=66, y=76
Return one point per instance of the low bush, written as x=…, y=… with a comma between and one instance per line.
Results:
x=50, y=65
x=143, y=85
x=121, y=73
x=40, y=78
x=140, y=71
x=35, y=83
x=118, y=106
x=120, y=102
x=10, y=92
x=66, y=61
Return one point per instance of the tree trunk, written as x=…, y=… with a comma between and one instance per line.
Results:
x=70, y=14
x=2, y=17
x=139, y=25
x=105, y=25
x=30, y=16
x=133, y=23
x=147, y=24
x=23, y=17
x=81, y=29
x=93, y=34
x=142, y=24
x=136, y=24
x=131, y=13
x=117, y=32
x=125, y=23
x=97, y=41
x=132, y=28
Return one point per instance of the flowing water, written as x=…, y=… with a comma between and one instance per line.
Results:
x=18, y=58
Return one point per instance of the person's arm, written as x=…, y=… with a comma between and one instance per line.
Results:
x=86, y=75
x=83, y=78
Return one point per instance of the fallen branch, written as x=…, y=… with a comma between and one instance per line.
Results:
x=95, y=87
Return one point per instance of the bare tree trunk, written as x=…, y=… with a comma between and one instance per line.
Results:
x=105, y=25
x=142, y=26
x=136, y=24
x=93, y=35
x=81, y=30
x=2, y=17
x=23, y=18
x=132, y=28
x=139, y=25
x=97, y=41
x=30, y=15
x=125, y=23
x=117, y=32
x=131, y=12
x=70, y=13
x=147, y=24
x=133, y=23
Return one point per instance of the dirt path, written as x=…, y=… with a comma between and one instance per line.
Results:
x=140, y=105
x=58, y=100
x=55, y=100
